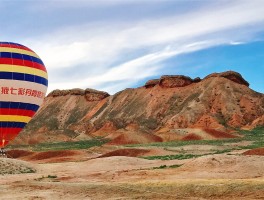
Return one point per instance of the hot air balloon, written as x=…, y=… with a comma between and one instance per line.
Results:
x=23, y=86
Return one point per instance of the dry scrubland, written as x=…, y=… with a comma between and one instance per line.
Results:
x=231, y=168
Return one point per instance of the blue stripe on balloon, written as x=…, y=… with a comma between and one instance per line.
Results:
x=12, y=43
x=20, y=56
x=23, y=77
x=19, y=105
x=13, y=124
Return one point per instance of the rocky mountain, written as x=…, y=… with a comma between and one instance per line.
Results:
x=169, y=108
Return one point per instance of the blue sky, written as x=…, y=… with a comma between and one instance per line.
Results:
x=114, y=44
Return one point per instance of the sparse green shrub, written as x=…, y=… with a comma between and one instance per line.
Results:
x=43, y=177
x=174, y=166
x=222, y=151
x=172, y=157
x=51, y=176
x=165, y=166
x=160, y=167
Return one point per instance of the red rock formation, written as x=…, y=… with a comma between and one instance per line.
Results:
x=197, y=80
x=257, y=122
x=208, y=121
x=175, y=81
x=219, y=101
x=126, y=152
x=231, y=75
x=90, y=94
x=219, y=134
x=257, y=151
x=95, y=95
x=192, y=136
x=152, y=83
x=57, y=93
x=236, y=121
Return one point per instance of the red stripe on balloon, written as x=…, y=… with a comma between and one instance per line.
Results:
x=21, y=62
x=16, y=46
x=3, y=143
x=13, y=111
x=8, y=134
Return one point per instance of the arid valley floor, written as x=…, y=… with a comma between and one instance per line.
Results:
x=205, y=169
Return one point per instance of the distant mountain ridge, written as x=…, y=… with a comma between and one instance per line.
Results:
x=169, y=108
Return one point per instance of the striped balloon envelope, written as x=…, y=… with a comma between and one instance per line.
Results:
x=23, y=86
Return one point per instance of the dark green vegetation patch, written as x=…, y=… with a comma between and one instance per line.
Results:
x=256, y=136
x=83, y=144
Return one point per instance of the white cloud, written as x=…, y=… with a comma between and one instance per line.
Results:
x=132, y=71
x=100, y=45
x=236, y=43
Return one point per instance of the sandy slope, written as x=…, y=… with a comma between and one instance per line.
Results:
x=11, y=166
x=208, y=177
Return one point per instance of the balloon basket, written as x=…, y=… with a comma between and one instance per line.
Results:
x=3, y=153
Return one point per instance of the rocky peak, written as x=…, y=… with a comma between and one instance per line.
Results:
x=197, y=80
x=175, y=81
x=95, y=95
x=152, y=83
x=89, y=94
x=58, y=93
x=172, y=81
x=231, y=75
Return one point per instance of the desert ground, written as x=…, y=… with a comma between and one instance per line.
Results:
x=136, y=172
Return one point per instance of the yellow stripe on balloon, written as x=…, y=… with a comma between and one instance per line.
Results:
x=14, y=118
x=15, y=50
x=24, y=70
